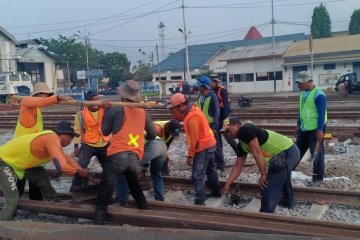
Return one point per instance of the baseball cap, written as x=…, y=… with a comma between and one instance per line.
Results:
x=175, y=100
x=215, y=77
x=228, y=122
x=89, y=94
x=204, y=81
x=303, y=77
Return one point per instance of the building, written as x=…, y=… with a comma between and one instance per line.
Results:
x=204, y=58
x=332, y=57
x=37, y=62
x=8, y=55
x=251, y=68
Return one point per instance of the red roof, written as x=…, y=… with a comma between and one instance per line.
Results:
x=252, y=34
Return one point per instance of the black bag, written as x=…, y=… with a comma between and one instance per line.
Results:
x=278, y=162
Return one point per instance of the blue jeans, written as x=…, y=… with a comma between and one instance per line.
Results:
x=305, y=140
x=204, y=164
x=280, y=181
x=155, y=154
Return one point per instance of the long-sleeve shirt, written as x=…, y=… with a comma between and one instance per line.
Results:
x=225, y=111
x=49, y=145
x=214, y=109
x=114, y=119
x=28, y=105
x=320, y=102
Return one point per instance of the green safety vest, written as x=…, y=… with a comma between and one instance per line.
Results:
x=205, y=109
x=275, y=144
x=308, y=111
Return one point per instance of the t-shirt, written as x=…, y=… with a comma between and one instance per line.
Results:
x=247, y=133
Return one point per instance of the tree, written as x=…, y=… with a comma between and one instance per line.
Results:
x=142, y=69
x=65, y=50
x=321, y=23
x=354, y=26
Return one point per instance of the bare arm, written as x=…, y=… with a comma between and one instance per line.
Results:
x=259, y=158
x=235, y=173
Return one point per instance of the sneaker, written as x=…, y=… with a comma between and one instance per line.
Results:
x=121, y=203
x=315, y=183
x=199, y=202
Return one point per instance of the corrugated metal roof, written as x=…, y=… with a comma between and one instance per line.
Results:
x=256, y=51
x=325, y=45
x=200, y=54
x=8, y=35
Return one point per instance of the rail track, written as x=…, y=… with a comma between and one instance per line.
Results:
x=180, y=216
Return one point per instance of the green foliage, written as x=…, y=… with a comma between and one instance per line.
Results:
x=116, y=65
x=142, y=69
x=354, y=26
x=321, y=23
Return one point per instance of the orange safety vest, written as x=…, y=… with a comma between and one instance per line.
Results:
x=131, y=135
x=91, y=127
x=221, y=103
x=206, y=135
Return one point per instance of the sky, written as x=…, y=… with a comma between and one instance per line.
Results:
x=126, y=26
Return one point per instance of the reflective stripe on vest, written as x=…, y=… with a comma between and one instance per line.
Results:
x=275, y=144
x=221, y=103
x=308, y=111
x=17, y=153
x=205, y=108
x=131, y=135
x=20, y=130
x=91, y=127
x=206, y=135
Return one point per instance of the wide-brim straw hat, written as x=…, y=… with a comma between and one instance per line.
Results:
x=41, y=87
x=130, y=91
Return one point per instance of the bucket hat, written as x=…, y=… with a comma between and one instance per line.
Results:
x=41, y=87
x=130, y=91
x=64, y=127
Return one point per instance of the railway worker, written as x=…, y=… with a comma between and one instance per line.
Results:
x=311, y=124
x=20, y=157
x=269, y=149
x=30, y=121
x=167, y=131
x=201, y=146
x=87, y=125
x=127, y=126
x=209, y=105
x=155, y=155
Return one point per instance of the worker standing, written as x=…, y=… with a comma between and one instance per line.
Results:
x=209, y=105
x=30, y=121
x=201, y=146
x=127, y=126
x=87, y=125
x=269, y=149
x=20, y=157
x=311, y=124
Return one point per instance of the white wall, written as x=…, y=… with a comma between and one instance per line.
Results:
x=254, y=66
x=8, y=55
x=319, y=73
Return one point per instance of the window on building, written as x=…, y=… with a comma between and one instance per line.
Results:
x=176, y=77
x=231, y=77
x=329, y=66
x=244, y=77
x=195, y=76
x=162, y=78
x=268, y=76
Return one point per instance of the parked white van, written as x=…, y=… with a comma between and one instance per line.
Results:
x=15, y=84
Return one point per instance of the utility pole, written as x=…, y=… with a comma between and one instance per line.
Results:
x=162, y=36
x=157, y=57
x=87, y=56
x=273, y=42
x=186, y=48
x=68, y=76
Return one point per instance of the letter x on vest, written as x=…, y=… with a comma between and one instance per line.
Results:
x=133, y=140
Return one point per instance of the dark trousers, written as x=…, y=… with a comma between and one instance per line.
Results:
x=280, y=181
x=125, y=163
x=203, y=165
x=34, y=191
x=219, y=155
x=86, y=153
x=305, y=140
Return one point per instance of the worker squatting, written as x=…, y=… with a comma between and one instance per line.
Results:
x=128, y=143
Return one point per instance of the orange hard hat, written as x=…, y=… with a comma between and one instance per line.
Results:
x=175, y=100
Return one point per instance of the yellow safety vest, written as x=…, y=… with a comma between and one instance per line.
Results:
x=17, y=153
x=20, y=130
x=162, y=125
